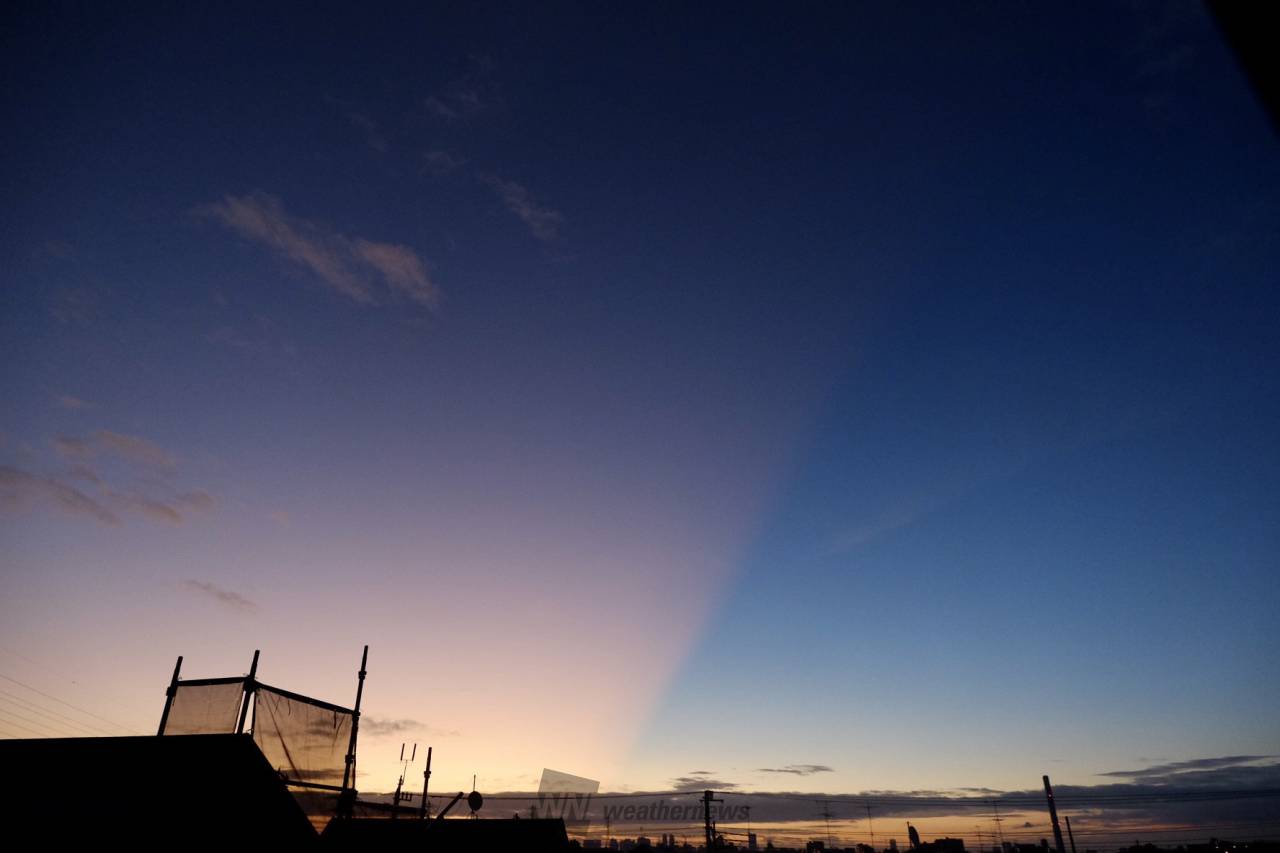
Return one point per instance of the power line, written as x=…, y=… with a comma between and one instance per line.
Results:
x=68, y=704
x=58, y=728
x=83, y=726
x=48, y=732
x=1024, y=801
x=24, y=728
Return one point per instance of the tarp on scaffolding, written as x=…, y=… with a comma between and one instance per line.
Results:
x=304, y=739
x=206, y=707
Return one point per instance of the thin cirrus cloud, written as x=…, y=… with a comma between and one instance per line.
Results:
x=1181, y=770
x=94, y=486
x=363, y=270
x=543, y=222
x=799, y=769
x=20, y=489
x=67, y=401
x=373, y=135
x=439, y=162
x=699, y=780
x=466, y=96
x=225, y=597
x=131, y=448
x=440, y=109
x=379, y=727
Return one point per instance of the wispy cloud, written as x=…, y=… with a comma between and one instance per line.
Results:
x=20, y=489
x=700, y=780
x=67, y=401
x=75, y=306
x=72, y=448
x=402, y=269
x=467, y=95
x=167, y=510
x=163, y=508
x=377, y=726
x=131, y=448
x=58, y=249
x=358, y=118
x=1178, y=770
x=225, y=597
x=441, y=110
x=352, y=267
x=198, y=500
x=439, y=162
x=543, y=222
x=799, y=769
x=259, y=337
x=106, y=492
x=152, y=508
x=373, y=135
x=867, y=531
x=134, y=448
x=84, y=472
x=382, y=727
x=255, y=342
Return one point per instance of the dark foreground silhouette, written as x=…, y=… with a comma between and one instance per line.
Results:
x=152, y=792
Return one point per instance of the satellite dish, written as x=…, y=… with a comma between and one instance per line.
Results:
x=475, y=801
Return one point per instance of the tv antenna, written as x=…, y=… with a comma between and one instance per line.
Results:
x=404, y=768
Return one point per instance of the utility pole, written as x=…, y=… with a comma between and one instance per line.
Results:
x=826, y=814
x=1053, y=816
x=871, y=827
x=707, y=800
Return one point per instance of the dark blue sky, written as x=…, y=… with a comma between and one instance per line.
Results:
x=883, y=386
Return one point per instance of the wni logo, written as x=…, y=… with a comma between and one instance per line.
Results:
x=566, y=796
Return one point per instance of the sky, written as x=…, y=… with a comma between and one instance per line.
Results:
x=832, y=397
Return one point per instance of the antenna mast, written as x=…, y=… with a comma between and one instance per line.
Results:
x=404, y=768
x=426, y=781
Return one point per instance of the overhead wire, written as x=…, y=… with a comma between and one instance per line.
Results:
x=87, y=728
x=68, y=704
